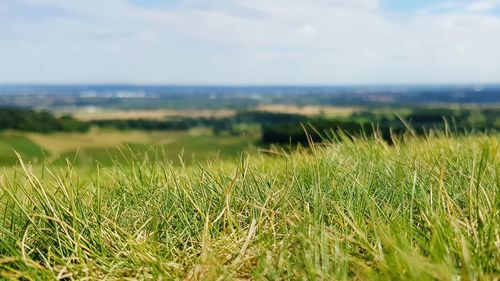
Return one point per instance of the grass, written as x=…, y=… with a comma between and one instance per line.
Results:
x=58, y=143
x=424, y=209
x=160, y=114
x=84, y=149
x=310, y=110
x=165, y=114
x=177, y=151
x=10, y=142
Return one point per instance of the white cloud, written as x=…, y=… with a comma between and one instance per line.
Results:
x=306, y=30
x=239, y=41
x=484, y=5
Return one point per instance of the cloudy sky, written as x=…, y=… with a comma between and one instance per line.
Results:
x=249, y=41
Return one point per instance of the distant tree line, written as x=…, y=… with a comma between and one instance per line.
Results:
x=38, y=121
x=285, y=128
x=160, y=125
x=318, y=130
x=279, y=128
x=217, y=124
x=419, y=121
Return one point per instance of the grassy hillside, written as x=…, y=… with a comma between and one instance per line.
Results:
x=107, y=146
x=427, y=209
x=27, y=148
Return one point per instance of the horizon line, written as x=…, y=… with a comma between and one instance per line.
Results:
x=252, y=85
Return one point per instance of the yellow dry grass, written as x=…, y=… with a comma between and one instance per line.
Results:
x=151, y=114
x=58, y=143
x=327, y=110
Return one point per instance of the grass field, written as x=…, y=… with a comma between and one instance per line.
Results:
x=159, y=114
x=106, y=146
x=17, y=142
x=165, y=114
x=310, y=110
x=425, y=209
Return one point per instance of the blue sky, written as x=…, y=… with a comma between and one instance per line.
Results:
x=249, y=42
x=407, y=5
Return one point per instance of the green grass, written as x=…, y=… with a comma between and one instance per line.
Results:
x=185, y=149
x=108, y=147
x=28, y=149
x=425, y=209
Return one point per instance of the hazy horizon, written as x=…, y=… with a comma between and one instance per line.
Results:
x=290, y=85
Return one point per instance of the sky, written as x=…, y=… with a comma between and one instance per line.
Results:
x=250, y=42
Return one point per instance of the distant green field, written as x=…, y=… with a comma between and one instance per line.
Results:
x=187, y=149
x=106, y=147
x=28, y=149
